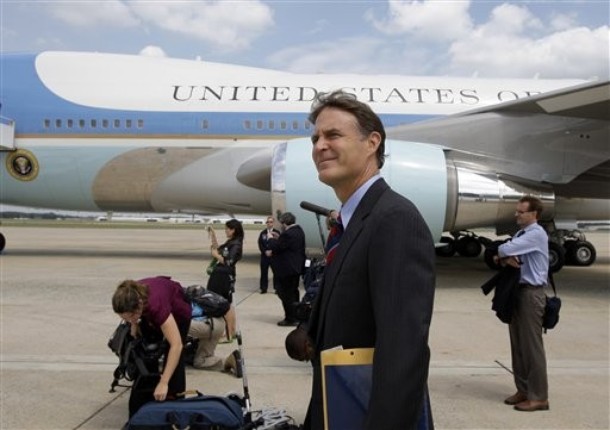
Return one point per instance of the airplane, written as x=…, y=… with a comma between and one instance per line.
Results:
x=109, y=132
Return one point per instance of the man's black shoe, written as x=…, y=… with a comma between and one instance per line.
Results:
x=263, y=291
x=288, y=323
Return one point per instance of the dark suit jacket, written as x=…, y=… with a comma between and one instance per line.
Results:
x=379, y=292
x=506, y=283
x=263, y=241
x=288, y=252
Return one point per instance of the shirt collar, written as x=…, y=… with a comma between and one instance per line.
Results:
x=348, y=209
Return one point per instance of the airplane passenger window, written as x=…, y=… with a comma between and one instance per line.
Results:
x=46, y=123
x=140, y=123
x=295, y=125
x=205, y=124
x=58, y=123
x=247, y=124
x=117, y=123
x=93, y=123
x=81, y=123
x=271, y=125
x=70, y=123
x=283, y=125
x=259, y=125
x=105, y=123
x=128, y=123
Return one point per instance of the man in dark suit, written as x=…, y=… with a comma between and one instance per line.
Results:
x=263, y=242
x=288, y=260
x=378, y=290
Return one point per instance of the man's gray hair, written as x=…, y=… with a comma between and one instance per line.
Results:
x=287, y=218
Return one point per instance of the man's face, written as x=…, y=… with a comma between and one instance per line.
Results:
x=524, y=215
x=342, y=155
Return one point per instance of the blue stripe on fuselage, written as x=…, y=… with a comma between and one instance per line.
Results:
x=39, y=112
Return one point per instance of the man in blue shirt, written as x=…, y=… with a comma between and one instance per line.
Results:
x=528, y=250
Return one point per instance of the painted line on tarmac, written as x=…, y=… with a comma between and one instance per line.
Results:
x=108, y=363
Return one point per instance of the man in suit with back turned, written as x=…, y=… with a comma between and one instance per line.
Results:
x=378, y=289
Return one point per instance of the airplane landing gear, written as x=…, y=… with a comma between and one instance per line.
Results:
x=557, y=256
x=467, y=244
x=565, y=247
x=580, y=252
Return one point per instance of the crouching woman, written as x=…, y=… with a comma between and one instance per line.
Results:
x=156, y=309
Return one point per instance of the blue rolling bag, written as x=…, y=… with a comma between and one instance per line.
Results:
x=194, y=413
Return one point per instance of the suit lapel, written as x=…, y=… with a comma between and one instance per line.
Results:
x=355, y=226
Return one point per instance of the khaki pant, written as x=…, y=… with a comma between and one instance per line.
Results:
x=209, y=332
x=527, y=348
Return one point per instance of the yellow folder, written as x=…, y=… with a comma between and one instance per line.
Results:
x=346, y=387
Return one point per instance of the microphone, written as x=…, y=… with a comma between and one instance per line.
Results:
x=315, y=208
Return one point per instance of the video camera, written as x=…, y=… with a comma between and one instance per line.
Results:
x=137, y=356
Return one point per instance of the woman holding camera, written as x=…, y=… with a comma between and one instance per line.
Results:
x=156, y=309
x=222, y=278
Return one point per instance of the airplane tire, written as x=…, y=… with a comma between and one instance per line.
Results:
x=557, y=257
x=2, y=242
x=489, y=254
x=581, y=253
x=567, y=245
x=447, y=250
x=468, y=247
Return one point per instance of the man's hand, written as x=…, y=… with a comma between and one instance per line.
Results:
x=512, y=261
x=298, y=345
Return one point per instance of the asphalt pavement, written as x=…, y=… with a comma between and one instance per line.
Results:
x=56, y=318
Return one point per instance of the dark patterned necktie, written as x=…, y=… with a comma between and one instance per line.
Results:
x=334, y=236
x=520, y=233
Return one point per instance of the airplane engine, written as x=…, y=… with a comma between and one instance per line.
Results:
x=418, y=171
x=450, y=196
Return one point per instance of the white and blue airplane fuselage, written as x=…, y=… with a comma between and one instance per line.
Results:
x=105, y=132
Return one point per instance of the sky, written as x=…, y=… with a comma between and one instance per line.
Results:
x=492, y=39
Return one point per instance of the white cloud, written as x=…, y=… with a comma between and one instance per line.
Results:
x=353, y=55
x=106, y=13
x=153, y=51
x=225, y=24
x=429, y=19
x=563, y=21
x=508, y=19
x=514, y=43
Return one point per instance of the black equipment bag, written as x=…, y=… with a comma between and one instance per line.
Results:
x=195, y=413
x=137, y=357
x=551, y=310
x=214, y=305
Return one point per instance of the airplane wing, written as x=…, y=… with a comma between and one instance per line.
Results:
x=560, y=138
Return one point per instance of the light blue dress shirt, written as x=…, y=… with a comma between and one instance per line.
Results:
x=532, y=248
x=347, y=210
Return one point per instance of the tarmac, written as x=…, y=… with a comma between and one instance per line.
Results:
x=56, y=318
